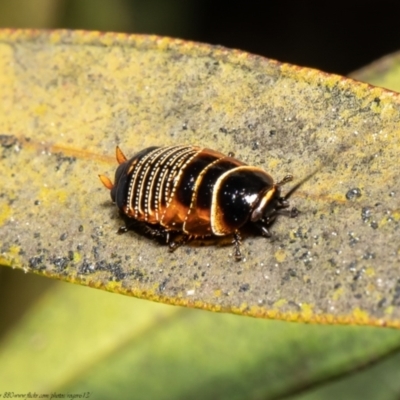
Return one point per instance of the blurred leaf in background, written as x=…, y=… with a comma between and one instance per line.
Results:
x=301, y=33
x=89, y=14
x=30, y=14
x=162, y=17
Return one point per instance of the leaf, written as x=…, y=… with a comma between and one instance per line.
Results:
x=384, y=72
x=68, y=98
x=90, y=342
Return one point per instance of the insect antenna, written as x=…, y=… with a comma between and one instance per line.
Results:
x=328, y=159
x=298, y=184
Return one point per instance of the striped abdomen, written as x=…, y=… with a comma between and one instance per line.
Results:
x=190, y=189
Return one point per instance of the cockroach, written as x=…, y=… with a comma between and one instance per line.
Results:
x=190, y=192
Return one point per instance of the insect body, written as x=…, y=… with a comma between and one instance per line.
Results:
x=191, y=192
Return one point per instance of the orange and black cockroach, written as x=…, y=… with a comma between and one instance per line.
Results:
x=190, y=192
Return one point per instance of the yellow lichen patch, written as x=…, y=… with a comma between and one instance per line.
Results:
x=273, y=163
x=241, y=309
x=113, y=286
x=47, y=196
x=217, y=293
x=371, y=288
x=273, y=314
x=56, y=37
x=5, y=213
x=376, y=107
x=292, y=317
x=389, y=310
x=293, y=235
x=361, y=316
x=12, y=257
x=388, y=111
x=5, y=262
x=40, y=109
x=280, y=255
x=370, y=272
x=337, y=294
x=360, y=91
x=395, y=215
x=14, y=250
x=338, y=198
x=280, y=303
x=328, y=318
x=77, y=257
x=306, y=311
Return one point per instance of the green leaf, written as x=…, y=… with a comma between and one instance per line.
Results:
x=77, y=341
x=384, y=72
x=68, y=98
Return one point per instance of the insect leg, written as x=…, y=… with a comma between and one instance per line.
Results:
x=152, y=231
x=130, y=224
x=156, y=232
x=122, y=229
x=292, y=213
x=174, y=243
x=237, y=240
x=263, y=229
x=266, y=221
x=263, y=224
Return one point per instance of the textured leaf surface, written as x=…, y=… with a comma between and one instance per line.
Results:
x=67, y=99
